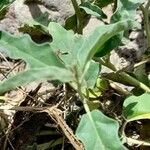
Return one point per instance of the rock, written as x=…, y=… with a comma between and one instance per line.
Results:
x=58, y=10
x=92, y=24
x=10, y=22
x=20, y=13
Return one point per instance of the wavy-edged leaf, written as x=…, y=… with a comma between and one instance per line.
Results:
x=69, y=52
x=126, y=9
x=69, y=44
x=95, y=42
x=78, y=50
x=136, y=108
x=66, y=43
x=42, y=62
x=81, y=49
x=92, y=9
x=99, y=132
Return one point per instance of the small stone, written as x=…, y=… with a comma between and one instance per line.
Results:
x=133, y=35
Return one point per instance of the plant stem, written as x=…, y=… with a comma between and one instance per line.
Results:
x=137, y=142
x=146, y=21
x=119, y=89
x=125, y=76
x=142, y=62
x=130, y=140
x=79, y=16
x=123, y=129
x=147, y=5
x=106, y=64
x=83, y=99
x=86, y=107
x=135, y=82
x=79, y=90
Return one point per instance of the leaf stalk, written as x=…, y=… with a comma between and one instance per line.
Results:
x=79, y=16
x=125, y=76
x=146, y=21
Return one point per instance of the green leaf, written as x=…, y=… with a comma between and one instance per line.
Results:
x=43, y=19
x=95, y=42
x=92, y=74
x=42, y=62
x=67, y=56
x=136, y=108
x=81, y=49
x=69, y=44
x=71, y=23
x=92, y=9
x=102, y=85
x=77, y=50
x=126, y=9
x=140, y=74
x=111, y=44
x=99, y=132
x=66, y=43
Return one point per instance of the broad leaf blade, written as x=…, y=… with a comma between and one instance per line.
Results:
x=42, y=62
x=66, y=43
x=67, y=51
x=136, y=108
x=111, y=44
x=69, y=44
x=78, y=50
x=22, y=47
x=95, y=42
x=99, y=134
x=92, y=9
x=82, y=49
x=126, y=9
x=92, y=74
